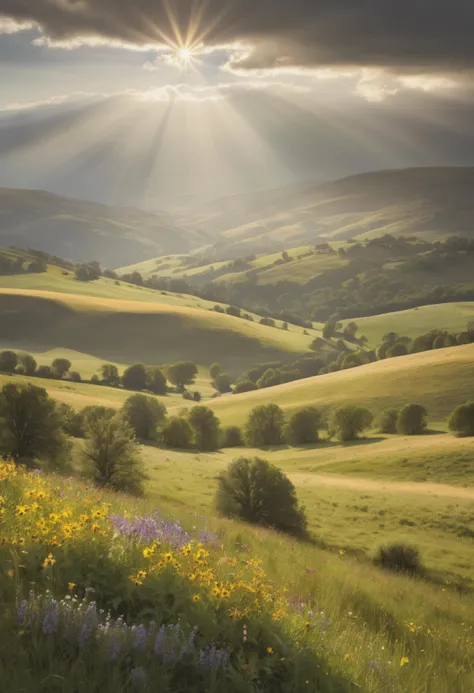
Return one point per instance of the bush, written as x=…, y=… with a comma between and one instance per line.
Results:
x=387, y=421
x=258, y=492
x=176, y=433
x=232, y=437
x=244, y=386
x=75, y=377
x=156, y=380
x=110, y=375
x=400, y=558
x=265, y=426
x=411, y=420
x=461, y=420
x=72, y=421
x=31, y=424
x=143, y=414
x=302, y=428
x=92, y=413
x=205, y=428
x=397, y=349
x=347, y=423
x=232, y=310
x=8, y=361
x=44, y=372
x=215, y=370
x=270, y=378
x=197, y=397
x=113, y=455
x=135, y=377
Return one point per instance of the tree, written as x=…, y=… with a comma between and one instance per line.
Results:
x=350, y=332
x=411, y=420
x=205, y=426
x=317, y=344
x=143, y=414
x=8, y=361
x=28, y=363
x=60, y=367
x=96, y=412
x=397, y=349
x=155, y=380
x=44, y=372
x=400, y=558
x=223, y=383
x=232, y=437
x=260, y=493
x=244, y=386
x=215, y=370
x=134, y=377
x=387, y=421
x=347, y=423
x=461, y=420
x=330, y=328
x=110, y=375
x=270, y=378
x=285, y=256
x=382, y=351
x=113, y=455
x=440, y=342
x=31, y=424
x=176, y=433
x=302, y=428
x=72, y=421
x=265, y=426
x=232, y=310
x=182, y=373
x=75, y=377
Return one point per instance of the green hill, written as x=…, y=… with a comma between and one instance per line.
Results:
x=127, y=331
x=439, y=380
x=81, y=231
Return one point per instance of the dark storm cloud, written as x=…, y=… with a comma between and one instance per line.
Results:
x=404, y=35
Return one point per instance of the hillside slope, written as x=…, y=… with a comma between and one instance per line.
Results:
x=154, y=333
x=434, y=202
x=439, y=380
x=79, y=230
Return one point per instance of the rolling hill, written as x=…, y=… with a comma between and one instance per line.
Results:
x=439, y=380
x=82, y=231
x=431, y=202
x=127, y=331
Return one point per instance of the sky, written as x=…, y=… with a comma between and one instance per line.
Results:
x=162, y=104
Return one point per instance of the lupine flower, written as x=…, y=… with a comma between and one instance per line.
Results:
x=50, y=620
x=138, y=678
x=212, y=658
x=140, y=637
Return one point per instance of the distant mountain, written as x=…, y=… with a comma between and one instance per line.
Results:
x=435, y=202
x=79, y=230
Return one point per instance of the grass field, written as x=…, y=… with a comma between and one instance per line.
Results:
x=439, y=380
x=411, y=323
x=127, y=331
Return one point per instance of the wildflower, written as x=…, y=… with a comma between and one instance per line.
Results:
x=49, y=561
x=10, y=573
x=21, y=510
x=138, y=678
x=140, y=636
x=168, y=557
x=148, y=553
x=270, y=650
x=141, y=575
x=50, y=621
x=135, y=580
x=70, y=586
x=403, y=661
x=196, y=598
x=347, y=657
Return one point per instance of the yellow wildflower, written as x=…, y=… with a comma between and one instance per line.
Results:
x=70, y=586
x=49, y=561
x=196, y=598
x=270, y=650
x=403, y=661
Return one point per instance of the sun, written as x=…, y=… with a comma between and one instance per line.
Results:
x=185, y=55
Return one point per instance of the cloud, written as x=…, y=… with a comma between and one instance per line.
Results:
x=406, y=37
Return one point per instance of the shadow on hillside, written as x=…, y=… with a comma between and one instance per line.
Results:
x=325, y=444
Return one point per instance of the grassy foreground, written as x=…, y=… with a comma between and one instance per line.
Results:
x=321, y=621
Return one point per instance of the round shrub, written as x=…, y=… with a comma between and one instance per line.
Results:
x=245, y=386
x=258, y=492
x=143, y=414
x=411, y=420
x=176, y=433
x=347, y=423
x=387, y=421
x=400, y=558
x=205, y=428
x=265, y=426
x=232, y=437
x=302, y=428
x=461, y=420
x=398, y=349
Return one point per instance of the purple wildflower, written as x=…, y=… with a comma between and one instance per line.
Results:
x=140, y=636
x=210, y=658
x=21, y=612
x=138, y=678
x=89, y=625
x=151, y=527
x=50, y=620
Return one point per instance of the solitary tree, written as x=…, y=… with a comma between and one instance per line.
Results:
x=110, y=375
x=144, y=415
x=60, y=367
x=411, y=420
x=265, y=426
x=182, y=373
x=205, y=426
x=347, y=423
x=28, y=363
x=302, y=428
x=31, y=424
x=461, y=420
x=113, y=455
x=258, y=492
x=8, y=361
x=176, y=433
x=134, y=377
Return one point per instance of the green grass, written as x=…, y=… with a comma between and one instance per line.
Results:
x=439, y=380
x=416, y=321
x=127, y=331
